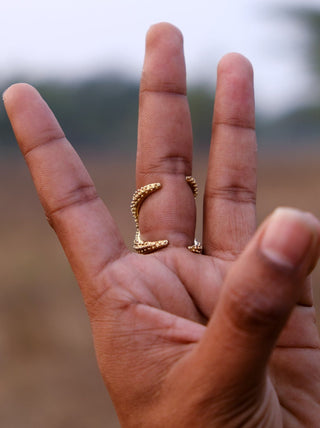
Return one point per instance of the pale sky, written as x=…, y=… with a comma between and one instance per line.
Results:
x=73, y=39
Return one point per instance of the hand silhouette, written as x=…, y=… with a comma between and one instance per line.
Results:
x=226, y=338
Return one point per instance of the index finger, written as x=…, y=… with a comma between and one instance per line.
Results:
x=82, y=222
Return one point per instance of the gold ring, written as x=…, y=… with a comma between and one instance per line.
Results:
x=146, y=247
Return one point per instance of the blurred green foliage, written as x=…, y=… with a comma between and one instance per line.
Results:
x=309, y=19
x=300, y=124
x=102, y=113
x=97, y=112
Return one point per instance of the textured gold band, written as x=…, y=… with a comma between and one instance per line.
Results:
x=145, y=247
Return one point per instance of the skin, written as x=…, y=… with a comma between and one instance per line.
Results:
x=223, y=339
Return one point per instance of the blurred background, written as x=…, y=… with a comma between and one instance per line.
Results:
x=85, y=58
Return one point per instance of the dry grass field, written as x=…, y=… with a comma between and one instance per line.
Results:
x=48, y=372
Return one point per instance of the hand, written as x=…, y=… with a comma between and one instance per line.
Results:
x=224, y=339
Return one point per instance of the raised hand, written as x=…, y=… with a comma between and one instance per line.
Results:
x=226, y=338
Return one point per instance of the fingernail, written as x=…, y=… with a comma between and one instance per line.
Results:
x=289, y=236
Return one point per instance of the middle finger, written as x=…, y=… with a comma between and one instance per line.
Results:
x=165, y=140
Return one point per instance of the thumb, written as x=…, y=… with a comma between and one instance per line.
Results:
x=258, y=295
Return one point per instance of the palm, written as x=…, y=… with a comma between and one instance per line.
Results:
x=166, y=301
x=157, y=309
x=157, y=349
x=294, y=366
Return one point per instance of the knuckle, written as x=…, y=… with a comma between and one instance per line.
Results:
x=236, y=122
x=234, y=193
x=254, y=311
x=46, y=138
x=77, y=196
x=170, y=164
